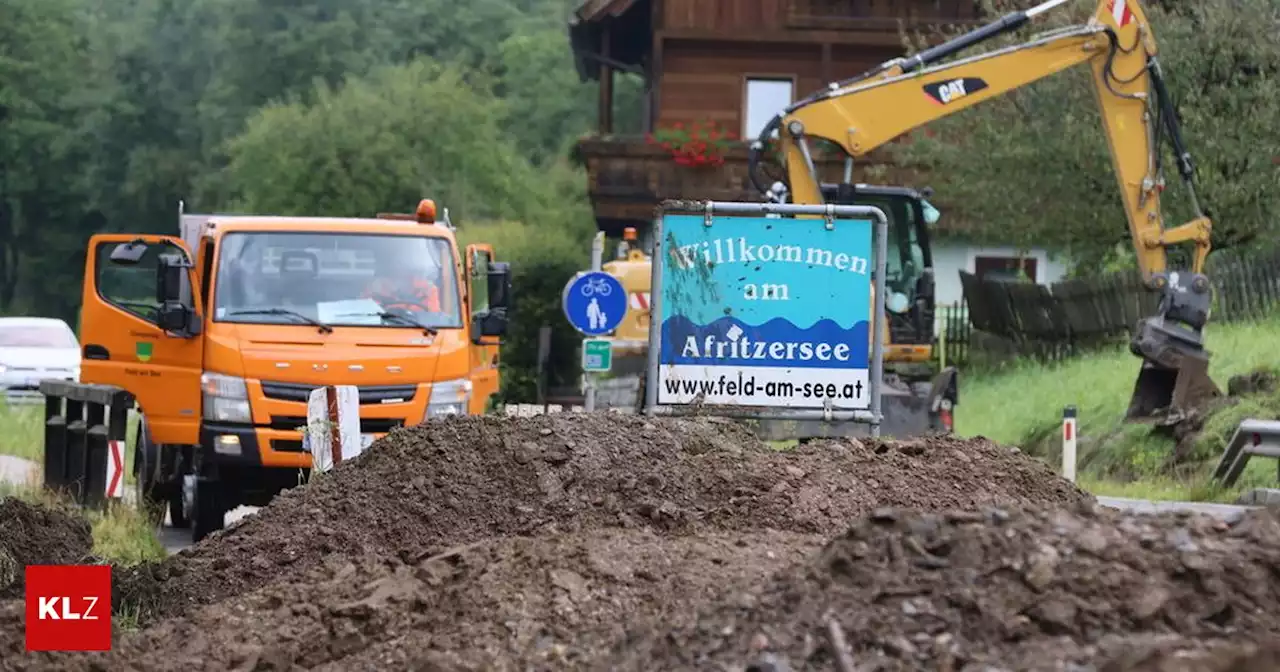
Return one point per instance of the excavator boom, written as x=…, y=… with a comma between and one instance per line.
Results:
x=1118, y=45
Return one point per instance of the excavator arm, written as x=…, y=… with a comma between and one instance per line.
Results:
x=1117, y=44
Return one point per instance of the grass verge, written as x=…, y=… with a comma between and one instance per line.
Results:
x=22, y=431
x=22, y=435
x=121, y=535
x=1021, y=404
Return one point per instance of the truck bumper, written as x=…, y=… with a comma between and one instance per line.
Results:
x=248, y=446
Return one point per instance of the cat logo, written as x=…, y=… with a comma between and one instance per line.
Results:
x=953, y=89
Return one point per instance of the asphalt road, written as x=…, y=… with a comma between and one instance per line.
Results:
x=175, y=540
x=17, y=471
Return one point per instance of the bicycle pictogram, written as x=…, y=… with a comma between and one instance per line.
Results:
x=596, y=286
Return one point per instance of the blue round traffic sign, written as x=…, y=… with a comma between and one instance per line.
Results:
x=594, y=302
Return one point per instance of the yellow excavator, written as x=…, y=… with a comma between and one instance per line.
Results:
x=1118, y=45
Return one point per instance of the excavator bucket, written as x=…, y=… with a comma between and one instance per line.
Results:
x=1173, y=381
x=1166, y=395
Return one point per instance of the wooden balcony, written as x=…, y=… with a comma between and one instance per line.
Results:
x=628, y=177
x=879, y=14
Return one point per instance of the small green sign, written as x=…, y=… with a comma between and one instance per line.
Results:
x=597, y=355
x=143, y=351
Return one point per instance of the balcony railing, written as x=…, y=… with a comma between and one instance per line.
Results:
x=629, y=177
x=878, y=14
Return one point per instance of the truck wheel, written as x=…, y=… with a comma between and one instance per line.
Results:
x=209, y=508
x=151, y=496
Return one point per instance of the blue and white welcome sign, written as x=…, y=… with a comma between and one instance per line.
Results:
x=763, y=311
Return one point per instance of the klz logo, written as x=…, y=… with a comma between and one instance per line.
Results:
x=60, y=609
x=953, y=89
x=68, y=607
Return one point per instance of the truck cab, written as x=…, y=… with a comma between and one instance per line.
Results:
x=222, y=333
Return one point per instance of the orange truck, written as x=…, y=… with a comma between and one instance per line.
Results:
x=222, y=333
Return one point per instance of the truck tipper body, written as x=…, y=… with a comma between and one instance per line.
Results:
x=222, y=333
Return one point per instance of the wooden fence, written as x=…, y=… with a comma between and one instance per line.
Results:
x=1053, y=321
x=951, y=345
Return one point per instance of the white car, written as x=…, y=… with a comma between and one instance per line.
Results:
x=33, y=349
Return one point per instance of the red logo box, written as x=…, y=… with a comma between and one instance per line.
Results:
x=68, y=607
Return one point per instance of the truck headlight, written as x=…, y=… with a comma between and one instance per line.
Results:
x=225, y=398
x=449, y=397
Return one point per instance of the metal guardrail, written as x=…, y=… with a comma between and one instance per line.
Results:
x=1252, y=437
x=80, y=422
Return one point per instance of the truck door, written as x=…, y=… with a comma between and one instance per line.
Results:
x=124, y=344
x=484, y=354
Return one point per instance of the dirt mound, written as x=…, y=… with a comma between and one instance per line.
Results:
x=500, y=604
x=37, y=535
x=1249, y=394
x=1144, y=653
x=1041, y=589
x=1258, y=381
x=425, y=489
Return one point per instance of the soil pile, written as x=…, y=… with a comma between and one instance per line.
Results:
x=428, y=488
x=1256, y=388
x=1028, y=590
x=500, y=604
x=37, y=535
x=32, y=534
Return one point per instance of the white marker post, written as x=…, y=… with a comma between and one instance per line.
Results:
x=588, y=379
x=333, y=426
x=1069, y=434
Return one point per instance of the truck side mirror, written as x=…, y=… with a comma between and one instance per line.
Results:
x=490, y=324
x=499, y=282
x=174, y=316
x=169, y=272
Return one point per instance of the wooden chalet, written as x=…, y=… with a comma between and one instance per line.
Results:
x=732, y=63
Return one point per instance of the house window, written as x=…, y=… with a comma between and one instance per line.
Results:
x=1004, y=269
x=765, y=98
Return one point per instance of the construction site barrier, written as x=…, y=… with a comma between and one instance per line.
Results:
x=85, y=428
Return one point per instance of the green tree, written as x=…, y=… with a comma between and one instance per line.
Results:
x=42, y=62
x=401, y=134
x=1032, y=167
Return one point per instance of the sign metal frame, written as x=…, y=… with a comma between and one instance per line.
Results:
x=786, y=213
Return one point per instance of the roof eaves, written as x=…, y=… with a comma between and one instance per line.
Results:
x=584, y=32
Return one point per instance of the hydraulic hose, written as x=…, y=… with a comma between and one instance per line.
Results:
x=756, y=149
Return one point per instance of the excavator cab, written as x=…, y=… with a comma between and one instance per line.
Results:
x=918, y=399
x=909, y=281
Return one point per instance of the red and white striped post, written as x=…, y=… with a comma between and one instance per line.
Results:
x=1069, y=433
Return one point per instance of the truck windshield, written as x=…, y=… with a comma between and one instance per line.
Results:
x=336, y=279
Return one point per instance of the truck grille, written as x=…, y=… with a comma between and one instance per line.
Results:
x=287, y=445
x=370, y=394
